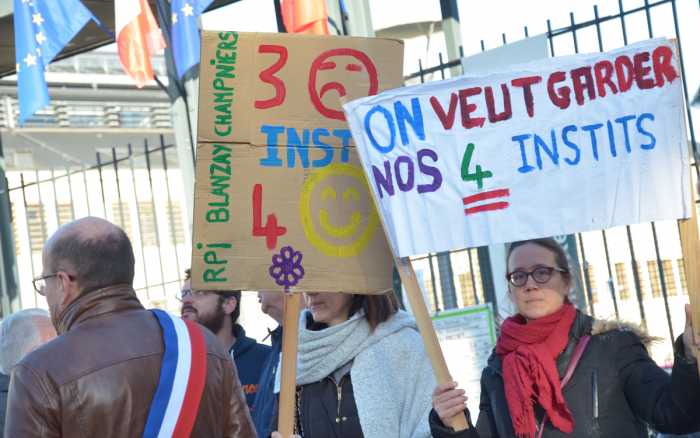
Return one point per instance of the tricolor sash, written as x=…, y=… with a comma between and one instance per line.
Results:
x=182, y=375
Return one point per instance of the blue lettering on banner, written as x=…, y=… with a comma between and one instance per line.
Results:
x=622, y=125
x=390, y=126
x=299, y=141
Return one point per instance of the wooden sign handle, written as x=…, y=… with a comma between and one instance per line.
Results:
x=427, y=331
x=290, y=342
x=690, y=245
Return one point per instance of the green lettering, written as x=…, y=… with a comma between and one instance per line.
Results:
x=218, y=215
x=225, y=71
x=220, y=149
x=212, y=275
x=210, y=258
x=223, y=133
x=219, y=84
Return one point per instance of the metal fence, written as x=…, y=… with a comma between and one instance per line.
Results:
x=627, y=273
x=138, y=188
x=649, y=252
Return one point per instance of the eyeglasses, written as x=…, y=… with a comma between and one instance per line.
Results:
x=195, y=293
x=541, y=275
x=39, y=283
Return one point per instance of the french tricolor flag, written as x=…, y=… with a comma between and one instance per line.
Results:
x=182, y=376
x=138, y=37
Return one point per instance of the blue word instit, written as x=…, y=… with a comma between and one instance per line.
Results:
x=298, y=144
x=611, y=136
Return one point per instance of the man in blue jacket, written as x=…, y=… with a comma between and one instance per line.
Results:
x=219, y=311
x=271, y=303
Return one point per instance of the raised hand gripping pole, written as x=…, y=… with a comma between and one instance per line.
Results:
x=427, y=331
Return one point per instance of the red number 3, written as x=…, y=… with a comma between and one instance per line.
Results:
x=268, y=76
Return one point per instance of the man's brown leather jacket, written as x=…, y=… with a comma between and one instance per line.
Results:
x=98, y=377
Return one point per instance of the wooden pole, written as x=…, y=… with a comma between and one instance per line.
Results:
x=420, y=312
x=690, y=244
x=427, y=331
x=290, y=342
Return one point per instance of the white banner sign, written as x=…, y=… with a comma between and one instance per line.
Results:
x=552, y=147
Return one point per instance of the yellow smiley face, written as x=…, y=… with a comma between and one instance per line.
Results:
x=336, y=210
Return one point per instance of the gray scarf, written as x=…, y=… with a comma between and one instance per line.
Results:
x=391, y=375
x=323, y=351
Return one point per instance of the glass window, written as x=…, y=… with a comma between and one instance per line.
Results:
x=622, y=286
x=653, y=269
x=670, y=279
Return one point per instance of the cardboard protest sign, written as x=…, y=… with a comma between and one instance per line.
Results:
x=281, y=201
x=552, y=147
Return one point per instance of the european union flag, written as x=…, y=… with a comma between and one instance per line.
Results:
x=185, y=32
x=42, y=29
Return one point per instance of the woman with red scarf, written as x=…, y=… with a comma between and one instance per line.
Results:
x=556, y=372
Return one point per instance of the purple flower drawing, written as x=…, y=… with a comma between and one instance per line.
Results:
x=286, y=268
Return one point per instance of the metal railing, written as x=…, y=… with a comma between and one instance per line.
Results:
x=138, y=189
x=650, y=251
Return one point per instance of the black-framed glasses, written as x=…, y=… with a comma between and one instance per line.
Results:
x=541, y=275
x=195, y=293
x=39, y=283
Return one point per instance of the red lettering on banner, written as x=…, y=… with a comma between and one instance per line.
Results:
x=583, y=80
x=559, y=97
x=270, y=231
x=624, y=68
x=661, y=59
x=526, y=84
x=490, y=105
x=268, y=76
x=468, y=108
x=603, y=71
x=447, y=119
x=641, y=71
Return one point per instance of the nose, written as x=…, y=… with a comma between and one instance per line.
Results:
x=187, y=298
x=530, y=283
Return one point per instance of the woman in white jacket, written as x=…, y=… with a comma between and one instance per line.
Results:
x=362, y=371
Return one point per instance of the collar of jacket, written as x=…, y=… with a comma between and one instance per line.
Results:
x=582, y=325
x=91, y=304
x=243, y=343
x=276, y=335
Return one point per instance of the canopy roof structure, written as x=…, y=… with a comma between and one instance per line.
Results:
x=90, y=37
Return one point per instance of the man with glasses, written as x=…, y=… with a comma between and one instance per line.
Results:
x=103, y=374
x=219, y=311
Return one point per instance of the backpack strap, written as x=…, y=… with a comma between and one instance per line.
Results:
x=570, y=368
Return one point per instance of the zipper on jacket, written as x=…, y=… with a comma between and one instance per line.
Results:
x=339, y=389
x=594, y=393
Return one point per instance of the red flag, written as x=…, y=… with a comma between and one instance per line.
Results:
x=305, y=16
x=138, y=38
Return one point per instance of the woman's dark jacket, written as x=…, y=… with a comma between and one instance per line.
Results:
x=327, y=409
x=615, y=391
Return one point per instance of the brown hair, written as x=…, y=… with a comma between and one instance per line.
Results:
x=377, y=308
x=223, y=295
x=548, y=243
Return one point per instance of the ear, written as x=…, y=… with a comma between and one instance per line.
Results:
x=70, y=288
x=229, y=305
